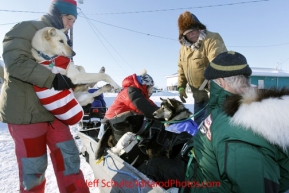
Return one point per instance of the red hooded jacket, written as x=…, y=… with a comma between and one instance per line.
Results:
x=134, y=97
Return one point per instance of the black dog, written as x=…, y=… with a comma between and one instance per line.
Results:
x=172, y=110
x=166, y=144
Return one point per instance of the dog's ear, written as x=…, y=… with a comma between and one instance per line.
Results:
x=49, y=33
x=52, y=32
x=162, y=99
x=169, y=101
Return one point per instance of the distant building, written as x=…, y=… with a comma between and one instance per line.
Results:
x=262, y=78
x=268, y=77
x=172, y=82
x=155, y=90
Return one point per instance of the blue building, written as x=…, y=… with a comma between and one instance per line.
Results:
x=264, y=78
x=261, y=78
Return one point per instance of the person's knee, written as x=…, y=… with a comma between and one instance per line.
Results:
x=33, y=171
x=67, y=157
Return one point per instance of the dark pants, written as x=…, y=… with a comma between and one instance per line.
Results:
x=200, y=114
x=200, y=100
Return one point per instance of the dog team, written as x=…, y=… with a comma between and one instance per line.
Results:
x=237, y=135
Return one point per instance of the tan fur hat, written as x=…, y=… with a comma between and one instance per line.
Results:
x=187, y=21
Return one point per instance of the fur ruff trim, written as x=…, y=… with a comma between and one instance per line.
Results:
x=264, y=112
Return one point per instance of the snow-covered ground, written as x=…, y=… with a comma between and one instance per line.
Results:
x=8, y=166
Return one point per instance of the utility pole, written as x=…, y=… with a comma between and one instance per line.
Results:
x=278, y=65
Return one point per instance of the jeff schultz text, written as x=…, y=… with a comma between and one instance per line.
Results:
x=146, y=183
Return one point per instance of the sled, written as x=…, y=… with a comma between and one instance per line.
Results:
x=114, y=174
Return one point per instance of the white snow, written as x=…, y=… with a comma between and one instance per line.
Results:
x=8, y=166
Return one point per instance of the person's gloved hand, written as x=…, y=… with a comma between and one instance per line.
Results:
x=62, y=82
x=183, y=95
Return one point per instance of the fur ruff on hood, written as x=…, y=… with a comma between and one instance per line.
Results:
x=264, y=112
x=188, y=21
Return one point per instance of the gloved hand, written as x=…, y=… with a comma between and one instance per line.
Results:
x=183, y=95
x=62, y=82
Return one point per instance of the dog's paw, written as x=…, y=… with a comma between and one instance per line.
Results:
x=102, y=70
x=116, y=87
x=107, y=87
x=116, y=90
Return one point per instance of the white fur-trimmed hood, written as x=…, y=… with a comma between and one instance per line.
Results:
x=265, y=112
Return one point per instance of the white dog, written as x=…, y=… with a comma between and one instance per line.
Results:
x=53, y=42
x=50, y=49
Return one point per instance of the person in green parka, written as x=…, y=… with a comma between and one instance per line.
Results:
x=243, y=145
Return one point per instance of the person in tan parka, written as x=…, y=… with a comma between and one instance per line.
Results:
x=198, y=47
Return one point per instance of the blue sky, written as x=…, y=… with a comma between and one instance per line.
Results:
x=127, y=36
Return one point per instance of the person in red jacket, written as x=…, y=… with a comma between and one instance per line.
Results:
x=135, y=95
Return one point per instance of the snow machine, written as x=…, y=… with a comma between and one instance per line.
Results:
x=94, y=112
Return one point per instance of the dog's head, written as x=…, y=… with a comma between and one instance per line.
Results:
x=51, y=41
x=168, y=108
